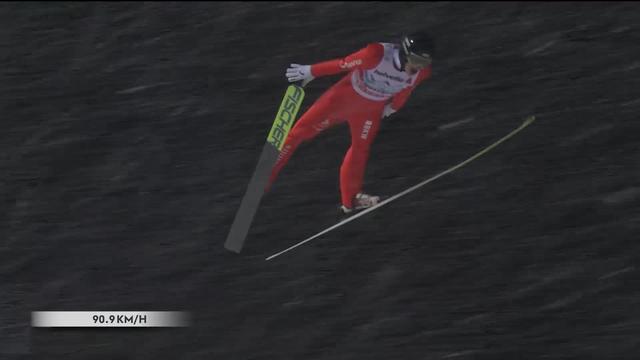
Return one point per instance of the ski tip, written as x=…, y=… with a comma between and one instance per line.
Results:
x=530, y=119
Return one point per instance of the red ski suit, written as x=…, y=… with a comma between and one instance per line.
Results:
x=359, y=99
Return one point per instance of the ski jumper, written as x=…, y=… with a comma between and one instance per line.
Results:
x=374, y=80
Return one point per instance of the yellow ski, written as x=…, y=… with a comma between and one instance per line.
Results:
x=285, y=118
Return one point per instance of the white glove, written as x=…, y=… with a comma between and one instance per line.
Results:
x=297, y=72
x=388, y=111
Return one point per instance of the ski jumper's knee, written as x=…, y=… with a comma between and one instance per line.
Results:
x=301, y=132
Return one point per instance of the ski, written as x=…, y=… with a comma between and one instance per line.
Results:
x=285, y=117
x=526, y=123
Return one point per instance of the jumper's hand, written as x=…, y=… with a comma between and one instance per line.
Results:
x=297, y=72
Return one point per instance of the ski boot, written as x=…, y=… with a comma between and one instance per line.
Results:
x=360, y=202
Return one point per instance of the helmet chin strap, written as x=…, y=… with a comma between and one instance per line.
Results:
x=403, y=59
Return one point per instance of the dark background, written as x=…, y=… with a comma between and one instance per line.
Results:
x=130, y=131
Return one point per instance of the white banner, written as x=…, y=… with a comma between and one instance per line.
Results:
x=109, y=319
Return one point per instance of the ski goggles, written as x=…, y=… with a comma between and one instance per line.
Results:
x=419, y=59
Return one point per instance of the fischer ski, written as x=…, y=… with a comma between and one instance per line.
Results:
x=285, y=118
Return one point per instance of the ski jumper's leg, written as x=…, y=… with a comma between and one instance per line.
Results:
x=364, y=126
x=311, y=123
